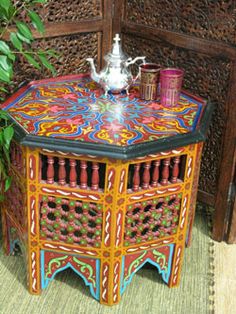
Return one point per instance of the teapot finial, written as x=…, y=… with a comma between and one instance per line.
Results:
x=116, y=50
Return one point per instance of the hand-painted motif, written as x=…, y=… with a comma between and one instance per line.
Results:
x=75, y=108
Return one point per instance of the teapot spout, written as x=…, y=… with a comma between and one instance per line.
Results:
x=94, y=75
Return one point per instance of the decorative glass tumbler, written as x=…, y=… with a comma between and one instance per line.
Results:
x=149, y=73
x=170, y=86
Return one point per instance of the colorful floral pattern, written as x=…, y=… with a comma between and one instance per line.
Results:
x=75, y=108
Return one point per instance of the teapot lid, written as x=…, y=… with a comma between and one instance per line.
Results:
x=116, y=54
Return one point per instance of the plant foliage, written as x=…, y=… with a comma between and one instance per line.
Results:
x=17, y=19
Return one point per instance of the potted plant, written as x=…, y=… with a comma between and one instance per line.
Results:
x=16, y=21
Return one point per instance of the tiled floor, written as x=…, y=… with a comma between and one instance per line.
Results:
x=225, y=278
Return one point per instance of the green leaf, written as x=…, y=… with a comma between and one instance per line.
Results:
x=24, y=30
x=4, y=48
x=31, y=60
x=7, y=183
x=16, y=41
x=5, y=4
x=4, y=76
x=46, y=63
x=40, y=1
x=6, y=153
x=23, y=38
x=52, y=53
x=37, y=22
x=3, y=114
x=4, y=63
x=4, y=90
x=7, y=135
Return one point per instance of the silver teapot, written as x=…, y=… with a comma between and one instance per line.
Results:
x=116, y=76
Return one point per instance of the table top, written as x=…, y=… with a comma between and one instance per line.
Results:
x=72, y=114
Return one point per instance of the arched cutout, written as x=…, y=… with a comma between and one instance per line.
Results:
x=45, y=280
x=165, y=274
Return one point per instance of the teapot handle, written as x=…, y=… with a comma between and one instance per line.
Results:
x=139, y=71
x=130, y=61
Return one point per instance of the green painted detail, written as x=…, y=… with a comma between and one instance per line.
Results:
x=43, y=210
x=71, y=216
x=98, y=220
x=69, y=240
x=99, y=207
x=129, y=220
x=141, y=216
x=72, y=203
x=134, y=265
x=83, y=268
x=85, y=205
x=57, y=213
x=83, y=242
x=70, y=228
x=83, y=230
x=57, y=261
x=160, y=259
x=43, y=234
x=84, y=218
x=45, y=198
x=58, y=200
x=98, y=232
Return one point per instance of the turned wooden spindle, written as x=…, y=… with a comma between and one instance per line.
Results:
x=83, y=174
x=95, y=176
x=155, y=173
x=165, y=171
x=175, y=170
x=146, y=175
x=136, y=178
x=50, y=170
x=62, y=172
x=73, y=173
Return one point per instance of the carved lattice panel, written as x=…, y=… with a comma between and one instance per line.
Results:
x=76, y=10
x=73, y=50
x=205, y=76
x=210, y=19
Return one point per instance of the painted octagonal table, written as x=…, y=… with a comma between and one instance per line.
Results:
x=101, y=184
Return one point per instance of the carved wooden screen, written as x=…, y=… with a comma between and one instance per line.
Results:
x=198, y=36
x=76, y=29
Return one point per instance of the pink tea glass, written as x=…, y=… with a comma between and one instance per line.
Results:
x=170, y=86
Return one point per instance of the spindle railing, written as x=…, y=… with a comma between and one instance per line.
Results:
x=160, y=172
x=72, y=172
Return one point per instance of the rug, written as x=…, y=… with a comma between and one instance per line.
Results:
x=147, y=293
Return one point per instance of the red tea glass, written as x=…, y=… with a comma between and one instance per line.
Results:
x=149, y=73
x=170, y=86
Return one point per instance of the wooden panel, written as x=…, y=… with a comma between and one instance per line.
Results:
x=210, y=19
x=76, y=10
x=200, y=37
x=76, y=30
x=202, y=75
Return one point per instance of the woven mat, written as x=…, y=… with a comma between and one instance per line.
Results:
x=147, y=293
